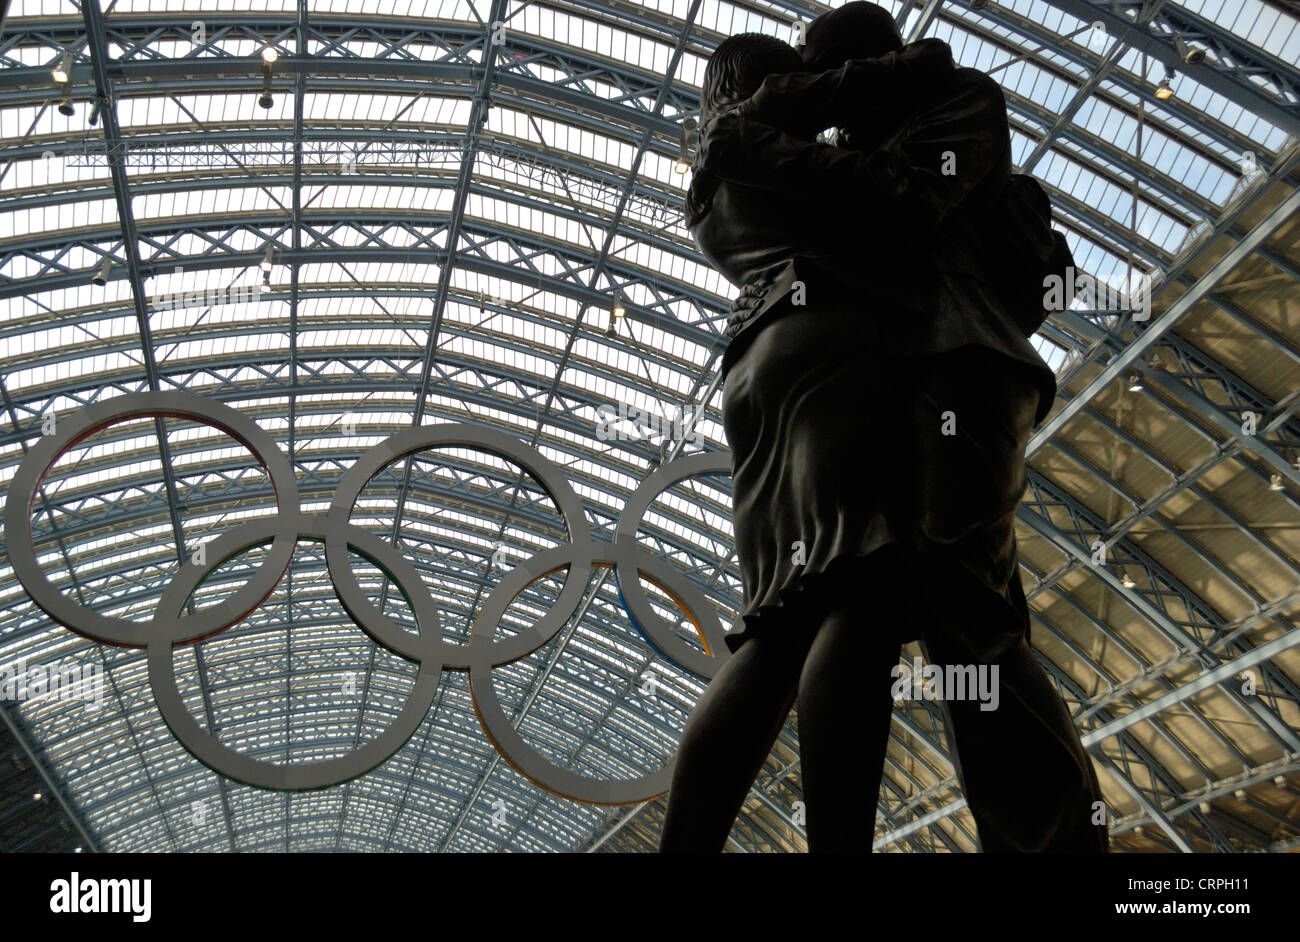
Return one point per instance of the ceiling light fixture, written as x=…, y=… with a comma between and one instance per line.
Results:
x=683, y=162
x=65, y=107
x=266, y=257
x=62, y=73
x=618, y=309
x=1135, y=382
x=1187, y=52
x=266, y=282
x=1165, y=91
x=100, y=277
x=1275, y=483
x=266, y=101
x=1126, y=580
x=270, y=54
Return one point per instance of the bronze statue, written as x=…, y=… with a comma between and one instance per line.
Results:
x=879, y=395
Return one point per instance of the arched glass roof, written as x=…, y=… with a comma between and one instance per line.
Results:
x=448, y=221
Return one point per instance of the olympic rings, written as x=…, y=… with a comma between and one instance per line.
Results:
x=422, y=648
x=171, y=626
x=177, y=628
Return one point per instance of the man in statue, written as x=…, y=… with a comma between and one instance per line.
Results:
x=878, y=400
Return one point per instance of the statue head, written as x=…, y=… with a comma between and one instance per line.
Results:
x=735, y=71
x=737, y=68
x=857, y=30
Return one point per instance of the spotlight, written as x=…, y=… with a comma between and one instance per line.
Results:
x=266, y=258
x=266, y=282
x=1135, y=382
x=618, y=309
x=1275, y=483
x=683, y=162
x=270, y=54
x=610, y=331
x=1138, y=830
x=100, y=277
x=76, y=850
x=266, y=101
x=1157, y=362
x=482, y=303
x=1187, y=52
x=1205, y=807
x=36, y=797
x=1240, y=794
x=1165, y=91
x=1126, y=580
x=65, y=107
x=1279, y=781
x=1296, y=463
x=62, y=73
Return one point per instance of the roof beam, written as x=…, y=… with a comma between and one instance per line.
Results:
x=1258, y=236
x=1248, y=96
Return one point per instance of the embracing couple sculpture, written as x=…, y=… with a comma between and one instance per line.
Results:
x=879, y=393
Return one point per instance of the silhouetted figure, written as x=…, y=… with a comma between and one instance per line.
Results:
x=879, y=395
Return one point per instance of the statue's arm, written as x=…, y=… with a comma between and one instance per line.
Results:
x=804, y=103
x=940, y=157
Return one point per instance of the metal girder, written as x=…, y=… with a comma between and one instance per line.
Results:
x=34, y=755
x=94, y=25
x=1040, y=522
x=1082, y=94
x=1133, y=85
x=1231, y=641
x=472, y=257
x=1250, y=96
x=923, y=20
x=1159, y=325
x=1225, y=673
